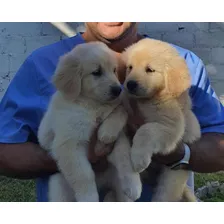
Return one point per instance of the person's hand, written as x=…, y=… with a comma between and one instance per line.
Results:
x=171, y=158
x=98, y=158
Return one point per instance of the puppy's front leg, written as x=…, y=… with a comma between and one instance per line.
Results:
x=127, y=184
x=153, y=138
x=74, y=165
x=112, y=126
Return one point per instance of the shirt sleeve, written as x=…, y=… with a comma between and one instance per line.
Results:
x=206, y=105
x=20, y=106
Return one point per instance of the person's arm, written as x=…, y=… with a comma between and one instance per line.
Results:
x=207, y=155
x=20, y=114
x=25, y=161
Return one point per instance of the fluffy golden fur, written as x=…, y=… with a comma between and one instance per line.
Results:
x=88, y=92
x=158, y=77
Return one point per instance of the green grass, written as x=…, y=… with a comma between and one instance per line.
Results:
x=202, y=179
x=217, y=197
x=13, y=190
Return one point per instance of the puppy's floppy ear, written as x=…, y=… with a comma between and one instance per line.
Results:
x=177, y=78
x=67, y=77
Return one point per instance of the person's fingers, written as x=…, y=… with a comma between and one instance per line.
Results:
x=102, y=149
x=136, y=121
x=91, y=147
x=99, y=157
x=92, y=157
x=172, y=157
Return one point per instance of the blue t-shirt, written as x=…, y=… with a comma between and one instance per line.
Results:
x=28, y=95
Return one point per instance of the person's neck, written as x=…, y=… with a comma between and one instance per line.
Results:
x=115, y=45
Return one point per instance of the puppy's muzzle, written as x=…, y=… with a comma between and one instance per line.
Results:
x=115, y=91
x=132, y=86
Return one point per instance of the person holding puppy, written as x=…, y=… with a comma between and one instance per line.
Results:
x=28, y=95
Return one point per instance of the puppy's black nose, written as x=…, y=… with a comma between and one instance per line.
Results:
x=132, y=85
x=115, y=90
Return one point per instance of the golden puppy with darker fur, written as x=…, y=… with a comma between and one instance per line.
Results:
x=158, y=77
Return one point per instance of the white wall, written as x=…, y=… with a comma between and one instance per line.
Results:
x=17, y=40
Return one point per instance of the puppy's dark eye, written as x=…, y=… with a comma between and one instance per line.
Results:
x=115, y=70
x=129, y=68
x=148, y=69
x=97, y=72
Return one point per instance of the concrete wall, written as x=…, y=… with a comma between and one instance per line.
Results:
x=17, y=40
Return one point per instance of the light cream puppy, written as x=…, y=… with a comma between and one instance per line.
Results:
x=88, y=93
x=158, y=77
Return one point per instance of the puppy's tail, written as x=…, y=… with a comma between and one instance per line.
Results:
x=188, y=195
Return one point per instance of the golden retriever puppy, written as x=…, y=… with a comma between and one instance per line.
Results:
x=158, y=77
x=88, y=93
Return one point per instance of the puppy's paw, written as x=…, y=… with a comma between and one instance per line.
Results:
x=107, y=137
x=131, y=186
x=140, y=161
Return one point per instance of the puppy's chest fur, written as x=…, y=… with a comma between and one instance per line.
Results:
x=162, y=112
x=78, y=119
